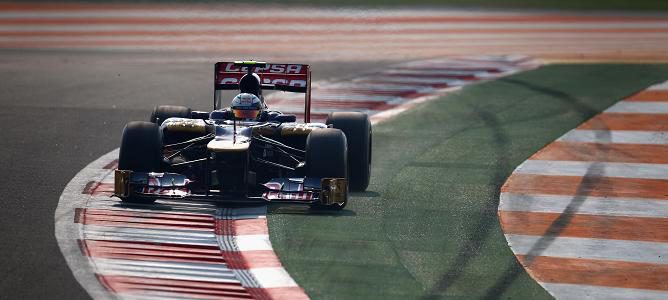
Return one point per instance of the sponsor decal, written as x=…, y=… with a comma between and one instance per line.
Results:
x=265, y=80
x=276, y=74
x=301, y=196
x=271, y=68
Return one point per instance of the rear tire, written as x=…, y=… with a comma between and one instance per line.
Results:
x=357, y=128
x=164, y=112
x=141, y=151
x=326, y=156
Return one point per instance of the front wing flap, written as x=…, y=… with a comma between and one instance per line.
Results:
x=304, y=190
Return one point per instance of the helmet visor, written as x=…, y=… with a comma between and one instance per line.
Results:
x=246, y=113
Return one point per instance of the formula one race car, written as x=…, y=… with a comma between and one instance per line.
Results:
x=246, y=153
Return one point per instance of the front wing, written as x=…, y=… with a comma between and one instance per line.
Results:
x=306, y=190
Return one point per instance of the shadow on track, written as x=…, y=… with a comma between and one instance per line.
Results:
x=472, y=247
x=583, y=190
x=283, y=209
x=502, y=169
x=307, y=210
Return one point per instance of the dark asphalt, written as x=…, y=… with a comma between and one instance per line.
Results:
x=58, y=112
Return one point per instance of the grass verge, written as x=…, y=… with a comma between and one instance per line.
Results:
x=427, y=227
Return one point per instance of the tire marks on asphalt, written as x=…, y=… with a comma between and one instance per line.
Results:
x=587, y=215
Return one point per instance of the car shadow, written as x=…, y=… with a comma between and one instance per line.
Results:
x=272, y=208
x=283, y=209
x=365, y=194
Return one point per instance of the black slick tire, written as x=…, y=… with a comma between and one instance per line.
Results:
x=141, y=151
x=357, y=129
x=163, y=112
x=326, y=156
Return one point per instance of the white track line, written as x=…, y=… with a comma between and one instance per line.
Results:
x=588, y=205
x=67, y=232
x=164, y=270
x=183, y=237
x=251, y=242
x=272, y=277
x=577, y=292
x=585, y=248
x=162, y=206
x=616, y=136
x=593, y=169
x=661, y=86
x=639, y=107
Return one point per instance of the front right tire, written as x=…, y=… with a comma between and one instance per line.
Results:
x=141, y=151
x=357, y=129
x=327, y=156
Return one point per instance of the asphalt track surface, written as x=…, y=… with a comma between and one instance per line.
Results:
x=59, y=112
x=62, y=110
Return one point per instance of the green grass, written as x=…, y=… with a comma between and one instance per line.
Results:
x=427, y=227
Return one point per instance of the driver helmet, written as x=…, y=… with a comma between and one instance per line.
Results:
x=246, y=106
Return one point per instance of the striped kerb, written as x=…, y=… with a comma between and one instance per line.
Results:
x=334, y=35
x=181, y=249
x=587, y=215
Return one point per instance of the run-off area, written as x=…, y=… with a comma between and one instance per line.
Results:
x=428, y=226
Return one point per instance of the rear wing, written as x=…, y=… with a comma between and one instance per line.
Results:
x=282, y=77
